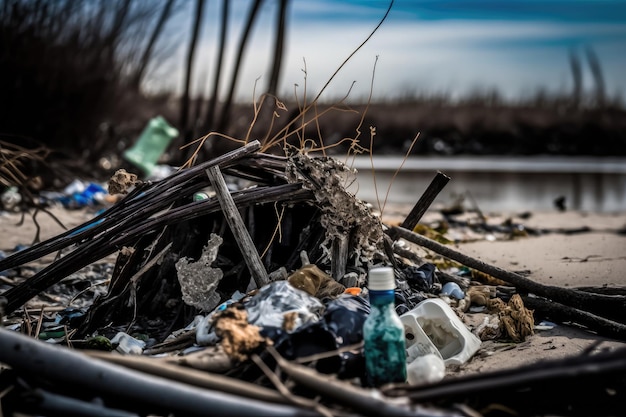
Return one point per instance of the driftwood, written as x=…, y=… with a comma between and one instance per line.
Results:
x=42, y=402
x=163, y=367
x=432, y=191
x=611, y=307
x=124, y=388
x=144, y=211
x=563, y=313
x=234, y=220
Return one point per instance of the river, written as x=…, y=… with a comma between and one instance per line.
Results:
x=498, y=183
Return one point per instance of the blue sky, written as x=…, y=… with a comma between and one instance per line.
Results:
x=432, y=46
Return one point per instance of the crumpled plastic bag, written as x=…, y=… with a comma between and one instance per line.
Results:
x=340, y=326
x=281, y=305
x=316, y=282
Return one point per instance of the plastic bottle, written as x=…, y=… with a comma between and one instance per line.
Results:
x=151, y=144
x=383, y=332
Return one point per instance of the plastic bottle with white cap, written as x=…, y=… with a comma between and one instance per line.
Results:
x=383, y=332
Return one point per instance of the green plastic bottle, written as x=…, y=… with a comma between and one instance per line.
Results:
x=153, y=141
x=383, y=332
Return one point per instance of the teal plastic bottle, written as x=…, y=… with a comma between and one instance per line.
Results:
x=383, y=332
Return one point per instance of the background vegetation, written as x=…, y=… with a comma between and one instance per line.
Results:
x=71, y=76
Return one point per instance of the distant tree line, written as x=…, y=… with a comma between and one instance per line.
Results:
x=67, y=66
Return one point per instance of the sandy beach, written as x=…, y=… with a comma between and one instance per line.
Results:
x=559, y=257
x=591, y=258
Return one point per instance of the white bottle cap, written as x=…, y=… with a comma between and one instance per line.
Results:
x=381, y=279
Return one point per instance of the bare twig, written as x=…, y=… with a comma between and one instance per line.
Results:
x=284, y=391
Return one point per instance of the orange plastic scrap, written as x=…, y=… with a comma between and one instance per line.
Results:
x=353, y=291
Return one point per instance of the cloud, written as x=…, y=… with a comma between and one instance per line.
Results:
x=455, y=56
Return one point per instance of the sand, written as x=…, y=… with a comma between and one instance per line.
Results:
x=595, y=258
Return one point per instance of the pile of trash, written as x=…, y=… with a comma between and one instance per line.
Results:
x=240, y=287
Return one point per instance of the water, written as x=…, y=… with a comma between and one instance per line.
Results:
x=499, y=183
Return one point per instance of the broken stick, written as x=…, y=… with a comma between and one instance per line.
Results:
x=563, y=313
x=434, y=188
x=237, y=226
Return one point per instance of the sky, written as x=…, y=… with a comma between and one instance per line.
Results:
x=453, y=47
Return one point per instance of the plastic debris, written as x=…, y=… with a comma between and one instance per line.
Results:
x=439, y=322
x=11, y=199
x=425, y=369
x=422, y=277
x=304, y=314
x=545, y=325
x=70, y=316
x=150, y=145
x=80, y=194
x=383, y=332
x=205, y=332
x=198, y=280
x=341, y=325
x=128, y=345
x=282, y=306
x=315, y=282
x=452, y=289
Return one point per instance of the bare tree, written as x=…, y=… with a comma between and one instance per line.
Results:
x=279, y=45
x=147, y=53
x=117, y=28
x=184, y=112
x=598, y=77
x=577, y=78
x=210, y=114
x=252, y=14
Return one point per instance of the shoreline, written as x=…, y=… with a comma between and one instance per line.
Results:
x=591, y=258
